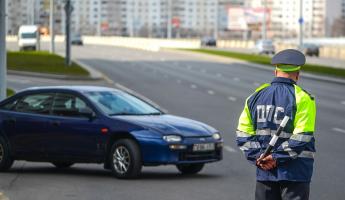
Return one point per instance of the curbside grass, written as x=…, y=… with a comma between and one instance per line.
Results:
x=10, y=92
x=265, y=60
x=42, y=62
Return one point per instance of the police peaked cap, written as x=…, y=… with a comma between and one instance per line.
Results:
x=289, y=57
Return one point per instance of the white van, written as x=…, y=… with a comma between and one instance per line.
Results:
x=29, y=37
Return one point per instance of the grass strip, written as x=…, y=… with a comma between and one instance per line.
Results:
x=265, y=60
x=42, y=62
x=10, y=92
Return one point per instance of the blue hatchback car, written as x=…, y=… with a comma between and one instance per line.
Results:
x=85, y=124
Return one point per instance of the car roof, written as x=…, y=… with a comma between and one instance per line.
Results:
x=75, y=88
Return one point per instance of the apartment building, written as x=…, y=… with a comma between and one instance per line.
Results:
x=319, y=16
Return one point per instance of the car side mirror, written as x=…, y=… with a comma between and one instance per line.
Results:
x=87, y=112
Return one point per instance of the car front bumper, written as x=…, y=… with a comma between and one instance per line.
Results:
x=158, y=152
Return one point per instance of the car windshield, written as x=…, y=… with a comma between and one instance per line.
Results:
x=120, y=103
x=28, y=35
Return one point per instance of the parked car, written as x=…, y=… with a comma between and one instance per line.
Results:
x=77, y=39
x=310, y=49
x=28, y=37
x=208, y=41
x=264, y=47
x=84, y=124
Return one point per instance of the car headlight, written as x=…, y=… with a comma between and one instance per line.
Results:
x=172, y=138
x=216, y=136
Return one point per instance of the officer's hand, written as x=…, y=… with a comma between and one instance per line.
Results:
x=266, y=163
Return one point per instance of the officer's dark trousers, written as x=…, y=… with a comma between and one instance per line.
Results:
x=282, y=190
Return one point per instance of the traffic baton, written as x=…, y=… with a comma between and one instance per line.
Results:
x=275, y=137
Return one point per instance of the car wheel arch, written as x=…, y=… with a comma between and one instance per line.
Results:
x=112, y=139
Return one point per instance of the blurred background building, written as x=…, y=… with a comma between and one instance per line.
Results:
x=189, y=18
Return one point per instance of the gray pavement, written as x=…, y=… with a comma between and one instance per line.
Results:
x=212, y=91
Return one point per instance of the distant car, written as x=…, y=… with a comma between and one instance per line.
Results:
x=208, y=41
x=264, y=47
x=28, y=37
x=310, y=49
x=77, y=39
x=84, y=124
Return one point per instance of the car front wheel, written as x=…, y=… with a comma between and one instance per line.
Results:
x=190, y=168
x=125, y=159
x=5, y=157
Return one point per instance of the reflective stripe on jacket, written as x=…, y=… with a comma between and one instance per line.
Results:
x=262, y=114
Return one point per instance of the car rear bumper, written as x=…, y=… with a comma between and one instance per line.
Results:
x=158, y=152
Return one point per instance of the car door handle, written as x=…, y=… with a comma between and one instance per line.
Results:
x=56, y=123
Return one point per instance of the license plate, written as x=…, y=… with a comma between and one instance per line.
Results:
x=204, y=147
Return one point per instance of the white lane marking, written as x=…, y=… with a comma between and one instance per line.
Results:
x=236, y=79
x=338, y=130
x=193, y=86
x=210, y=92
x=232, y=98
x=178, y=81
x=130, y=91
x=256, y=84
x=343, y=102
x=219, y=75
x=229, y=149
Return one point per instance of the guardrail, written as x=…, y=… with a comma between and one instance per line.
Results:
x=153, y=44
x=150, y=44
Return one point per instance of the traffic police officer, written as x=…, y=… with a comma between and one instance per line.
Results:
x=286, y=173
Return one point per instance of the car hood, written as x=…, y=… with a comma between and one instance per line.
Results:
x=169, y=124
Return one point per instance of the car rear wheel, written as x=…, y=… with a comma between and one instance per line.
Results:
x=190, y=168
x=6, y=161
x=62, y=165
x=125, y=159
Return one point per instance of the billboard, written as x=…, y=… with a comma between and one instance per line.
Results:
x=242, y=19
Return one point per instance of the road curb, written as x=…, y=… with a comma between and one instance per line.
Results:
x=260, y=66
x=51, y=76
x=94, y=74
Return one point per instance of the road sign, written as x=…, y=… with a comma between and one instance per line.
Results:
x=301, y=20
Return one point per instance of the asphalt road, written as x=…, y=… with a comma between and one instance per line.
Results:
x=198, y=87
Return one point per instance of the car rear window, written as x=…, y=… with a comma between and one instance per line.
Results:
x=36, y=103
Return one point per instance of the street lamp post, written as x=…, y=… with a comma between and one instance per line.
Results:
x=3, y=68
x=51, y=27
x=264, y=28
x=169, y=25
x=216, y=25
x=301, y=21
x=68, y=10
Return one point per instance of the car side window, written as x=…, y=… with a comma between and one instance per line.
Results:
x=68, y=105
x=36, y=103
x=10, y=105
